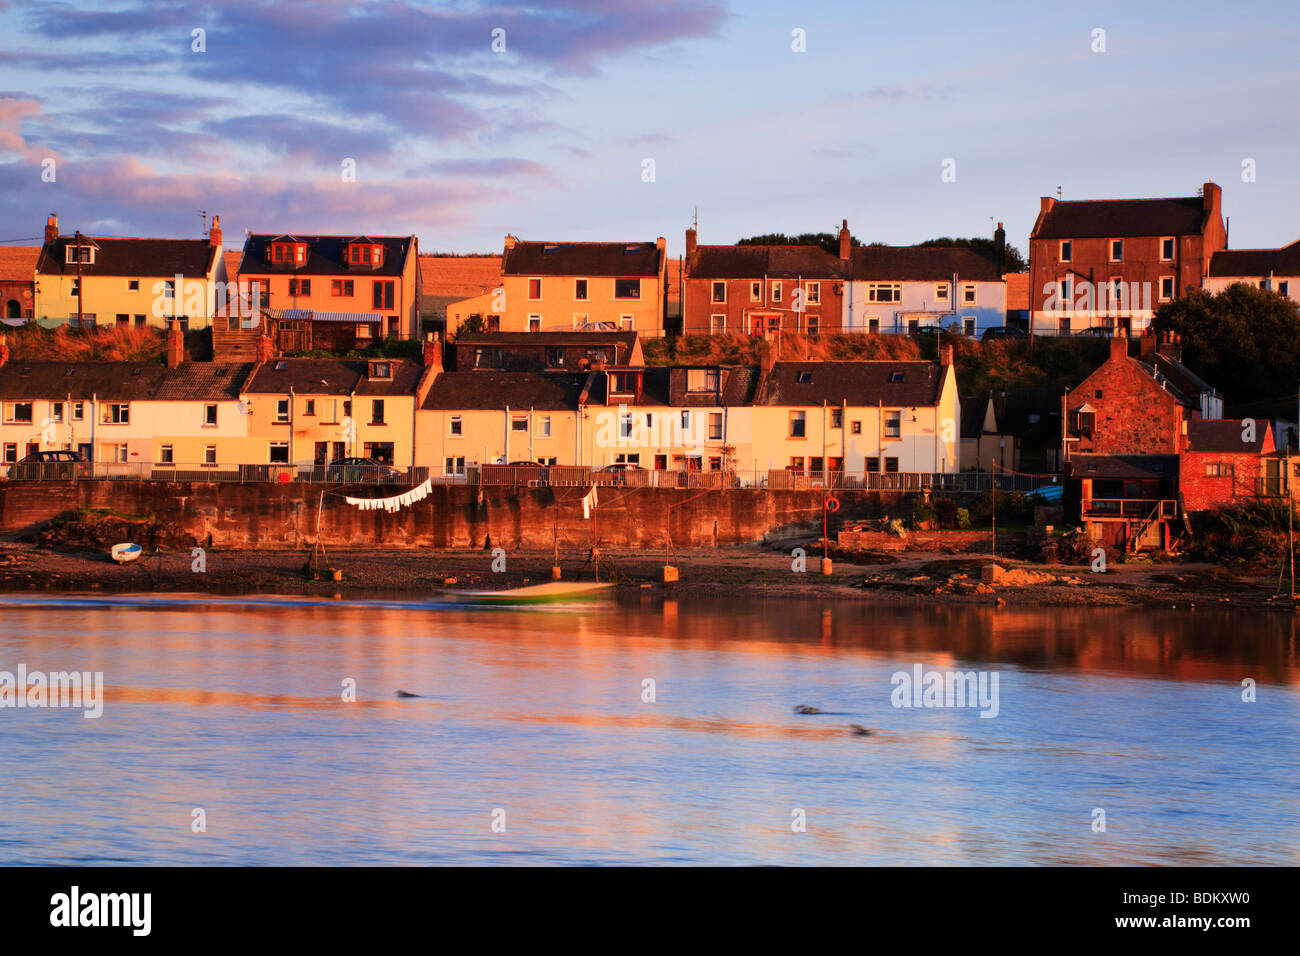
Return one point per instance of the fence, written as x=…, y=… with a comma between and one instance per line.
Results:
x=530, y=476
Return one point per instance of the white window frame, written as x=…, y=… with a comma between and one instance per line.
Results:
x=756, y=290
x=544, y=426
x=455, y=426
x=587, y=290
x=1066, y=245
x=1173, y=249
x=941, y=292
x=776, y=290
x=1110, y=246
x=534, y=317
x=969, y=293
x=717, y=323
x=814, y=296
x=895, y=290
x=627, y=322
x=713, y=292
x=1172, y=286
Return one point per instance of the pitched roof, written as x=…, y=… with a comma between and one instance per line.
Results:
x=854, y=382
x=1227, y=435
x=459, y=277
x=329, y=376
x=1106, y=218
x=758, y=262
x=122, y=381
x=18, y=263
x=923, y=263
x=232, y=264
x=325, y=256
x=1186, y=382
x=1122, y=466
x=973, y=412
x=131, y=257
x=1257, y=263
x=629, y=259
x=477, y=391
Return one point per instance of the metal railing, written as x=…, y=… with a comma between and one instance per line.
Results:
x=1134, y=508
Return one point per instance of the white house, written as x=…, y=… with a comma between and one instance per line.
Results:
x=899, y=289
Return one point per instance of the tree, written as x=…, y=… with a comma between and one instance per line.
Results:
x=1245, y=341
x=1013, y=261
x=830, y=241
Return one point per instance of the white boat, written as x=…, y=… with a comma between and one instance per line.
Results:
x=122, y=553
x=552, y=592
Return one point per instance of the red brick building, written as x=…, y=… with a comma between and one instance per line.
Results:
x=1110, y=263
x=18, y=281
x=1224, y=461
x=759, y=289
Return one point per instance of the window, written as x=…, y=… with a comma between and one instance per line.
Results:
x=623, y=383
x=454, y=426
x=625, y=425
x=1283, y=289
x=968, y=325
x=555, y=358
x=309, y=409
x=803, y=377
x=210, y=415
x=488, y=358
x=132, y=285
x=873, y=326
x=814, y=324
x=837, y=418
x=755, y=292
x=891, y=466
x=814, y=295
x=703, y=379
x=122, y=319
x=139, y=321
x=719, y=292
x=519, y=423
x=796, y=464
x=686, y=425
x=19, y=412
x=166, y=455
x=1063, y=326
x=798, y=424
x=579, y=289
x=884, y=292
x=871, y=465
x=1167, y=250
x=717, y=323
x=715, y=426
x=116, y=413
x=1213, y=469
x=279, y=453
x=79, y=253
x=1117, y=250
x=56, y=411
x=363, y=330
x=282, y=410
x=341, y=288
x=78, y=411
x=377, y=412
x=893, y=424
x=381, y=370
x=897, y=376
x=627, y=288
x=544, y=426
x=626, y=322
x=11, y=453
x=300, y=287
x=1084, y=423
x=210, y=455
x=968, y=293
x=454, y=466
x=1067, y=251
x=534, y=288
x=382, y=295
x=114, y=452
x=534, y=323
x=776, y=292
x=1166, y=287
x=941, y=291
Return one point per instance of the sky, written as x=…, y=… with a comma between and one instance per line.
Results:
x=620, y=120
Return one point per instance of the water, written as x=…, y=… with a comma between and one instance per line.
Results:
x=234, y=706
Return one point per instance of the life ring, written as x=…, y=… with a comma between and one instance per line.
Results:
x=832, y=504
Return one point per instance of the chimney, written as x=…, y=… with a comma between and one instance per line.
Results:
x=690, y=242
x=214, y=234
x=510, y=241
x=52, y=228
x=1147, y=344
x=175, y=345
x=1211, y=195
x=265, y=348
x=766, y=356
x=1047, y=202
x=945, y=356
x=1000, y=248
x=661, y=244
x=1119, y=347
x=433, y=351
x=846, y=244
x=4, y=350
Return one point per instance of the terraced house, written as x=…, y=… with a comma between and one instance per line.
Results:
x=100, y=281
x=1275, y=269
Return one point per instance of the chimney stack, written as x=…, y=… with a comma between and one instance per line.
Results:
x=265, y=348
x=510, y=241
x=52, y=228
x=846, y=245
x=1000, y=248
x=433, y=351
x=1211, y=195
x=1119, y=347
x=175, y=345
x=214, y=234
x=690, y=242
x=945, y=356
x=1046, y=205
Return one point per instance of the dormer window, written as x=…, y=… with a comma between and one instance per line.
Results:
x=82, y=254
x=622, y=383
x=290, y=253
x=381, y=370
x=365, y=254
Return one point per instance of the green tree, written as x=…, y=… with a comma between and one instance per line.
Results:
x=830, y=241
x=1013, y=261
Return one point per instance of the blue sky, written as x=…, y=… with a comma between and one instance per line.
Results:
x=460, y=145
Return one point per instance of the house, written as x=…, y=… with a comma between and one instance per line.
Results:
x=900, y=289
x=1108, y=264
x=755, y=289
x=18, y=282
x=308, y=412
x=1127, y=502
x=1226, y=463
x=1031, y=415
x=545, y=351
x=870, y=419
x=95, y=280
x=568, y=286
x=1275, y=269
x=985, y=444
x=447, y=280
x=335, y=292
x=174, y=420
x=1018, y=304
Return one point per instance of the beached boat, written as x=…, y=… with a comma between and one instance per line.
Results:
x=122, y=553
x=552, y=592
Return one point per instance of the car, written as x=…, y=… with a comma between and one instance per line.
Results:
x=1097, y=331
x=1002, y=332
x=45, y=465
x=924, y=330
x=361, y=469
x=620, y=471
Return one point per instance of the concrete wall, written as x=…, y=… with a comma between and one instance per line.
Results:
x=271, y=515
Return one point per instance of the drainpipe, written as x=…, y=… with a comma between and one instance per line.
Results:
x=531, y=423
x=506, y=456
x=293, y=415
x=824, y=414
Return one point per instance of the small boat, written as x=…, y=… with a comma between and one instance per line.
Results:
x=122, y=553
x=552, y=592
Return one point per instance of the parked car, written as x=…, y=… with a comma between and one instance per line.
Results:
x=620, y=471
x=1097, y=331
x=360, y=469
x=52, y=465
x=924, y=330
x=1002, y=332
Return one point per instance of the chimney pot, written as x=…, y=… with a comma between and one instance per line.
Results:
x=52, y=227
x=690, y=242
x=214, y=234
x=432, y=350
